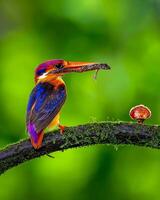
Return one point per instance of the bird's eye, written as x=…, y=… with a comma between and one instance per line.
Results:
x=40, y=72
x=59, y=66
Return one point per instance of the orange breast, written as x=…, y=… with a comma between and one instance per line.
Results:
x=56, y=82
x=55, y=121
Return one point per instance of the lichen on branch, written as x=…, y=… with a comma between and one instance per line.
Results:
x=79, y=136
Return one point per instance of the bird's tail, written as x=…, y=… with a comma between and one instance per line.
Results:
x=36, y=137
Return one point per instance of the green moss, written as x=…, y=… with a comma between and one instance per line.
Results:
x=94, y=133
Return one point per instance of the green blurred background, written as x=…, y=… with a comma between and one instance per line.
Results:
x=122, y=33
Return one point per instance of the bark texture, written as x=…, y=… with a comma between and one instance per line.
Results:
x=79, y=136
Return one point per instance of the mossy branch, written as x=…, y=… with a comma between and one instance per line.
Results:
x=79, y=136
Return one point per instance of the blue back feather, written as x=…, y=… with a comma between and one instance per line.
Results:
x=31, y=101
x=47, y=103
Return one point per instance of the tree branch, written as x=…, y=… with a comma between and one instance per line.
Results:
x=79, y=136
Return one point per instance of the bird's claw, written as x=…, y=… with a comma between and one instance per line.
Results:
x=62, y=128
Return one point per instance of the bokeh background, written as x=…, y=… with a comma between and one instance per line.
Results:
x=122, y=33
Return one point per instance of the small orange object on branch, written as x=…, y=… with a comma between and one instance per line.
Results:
x=140, y=113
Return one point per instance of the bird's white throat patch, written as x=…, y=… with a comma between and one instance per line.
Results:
x=43, y=76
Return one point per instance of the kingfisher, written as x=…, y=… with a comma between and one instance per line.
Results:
x=49, y=95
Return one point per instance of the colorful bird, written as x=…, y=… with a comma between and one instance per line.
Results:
x=49, y=95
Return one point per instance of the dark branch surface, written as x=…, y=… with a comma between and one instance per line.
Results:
x=79, y=136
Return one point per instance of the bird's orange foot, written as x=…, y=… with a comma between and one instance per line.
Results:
x=62, y=128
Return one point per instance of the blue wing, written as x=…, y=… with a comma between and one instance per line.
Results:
x=44, y=104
